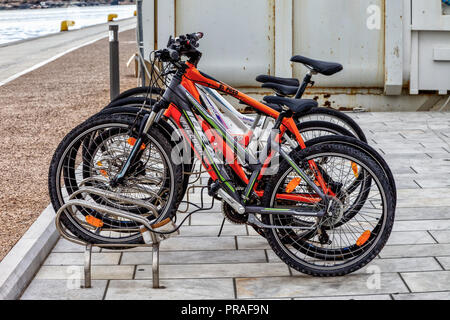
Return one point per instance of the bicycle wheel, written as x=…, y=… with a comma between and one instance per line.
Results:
x=314, y=129
x=335, y=117
x=324, y=247
x=139, y=92
x=363, y=147
x=154, y=181
x=169, y=130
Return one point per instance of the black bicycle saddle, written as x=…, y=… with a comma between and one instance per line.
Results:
x=296, y=105
x=322, y=67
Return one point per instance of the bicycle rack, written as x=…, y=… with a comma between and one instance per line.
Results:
x=140, y=219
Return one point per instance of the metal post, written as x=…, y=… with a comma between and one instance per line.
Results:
x=114, y=73
x=87, y=265
x=140, y=39
x=155, y=261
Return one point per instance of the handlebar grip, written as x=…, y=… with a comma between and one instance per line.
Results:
x=173, y=54
x=199, y=35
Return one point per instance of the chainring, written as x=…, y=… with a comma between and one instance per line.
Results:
x=231, y=215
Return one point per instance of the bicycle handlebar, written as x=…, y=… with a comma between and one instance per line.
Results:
x=179, y=46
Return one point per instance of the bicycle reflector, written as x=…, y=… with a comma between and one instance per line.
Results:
x=131, y=141
x=363, y=238
x=355, y=169
x=293, y=184
x=95, y=222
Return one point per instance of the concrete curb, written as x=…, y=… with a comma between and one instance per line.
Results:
x=18, y=268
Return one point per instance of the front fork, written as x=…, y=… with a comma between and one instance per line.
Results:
x=136, y=152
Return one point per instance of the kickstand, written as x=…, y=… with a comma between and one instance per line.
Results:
x=221, y=228
x=87, y=266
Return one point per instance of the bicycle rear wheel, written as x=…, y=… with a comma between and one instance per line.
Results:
x=325, y=246
x=335, y=117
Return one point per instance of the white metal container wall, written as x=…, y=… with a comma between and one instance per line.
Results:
x=337, y=31
x=247, y=38
x=239, y=37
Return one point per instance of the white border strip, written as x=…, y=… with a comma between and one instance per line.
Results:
x=20, y=265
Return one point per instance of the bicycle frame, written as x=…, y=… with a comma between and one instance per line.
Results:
x=188, y=113
x=206, y=122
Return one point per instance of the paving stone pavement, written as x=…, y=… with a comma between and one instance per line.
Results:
x=415, y=264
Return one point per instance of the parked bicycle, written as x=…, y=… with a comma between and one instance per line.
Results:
x=326, y=209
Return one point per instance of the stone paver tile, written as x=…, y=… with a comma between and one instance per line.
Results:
x=305, y=286
x=410, y=237
x=64, y=245
x=433, y=183
x=392, y=158
x=396, y=265
x=213, y=231
x=445, y=262
x=252, y=242
x=365, y=297
x=194, y=257
x=422, y=296
x=198, y=243
x=207, y=219
x=439, y=155
x=77, y=272
x=425, y=202
x=183, y=289
x=76, y=258
x=406, y=183
x=432, y=168
x=417, y=250
x=199, y=271
x=421, y=213
x=40, y=289
x=401, y=265
x=425, y=193
x=427, y=281
x=421, y=225
x=442, y=236
x=272, y=256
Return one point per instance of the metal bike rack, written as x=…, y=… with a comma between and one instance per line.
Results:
x=156, y=239
x=105, y=209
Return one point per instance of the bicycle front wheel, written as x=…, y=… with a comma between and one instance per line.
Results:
x=85, y=171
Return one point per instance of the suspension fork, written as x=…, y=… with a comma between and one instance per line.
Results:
x=136, y=151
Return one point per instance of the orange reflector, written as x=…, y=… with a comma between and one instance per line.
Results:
x=99, y=163
x=131, y=141
x=93, y=221
x=293, y=184
x=355, y=169
x=104, y=173
x=363, y=238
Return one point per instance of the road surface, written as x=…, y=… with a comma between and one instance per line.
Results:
x=19, y=58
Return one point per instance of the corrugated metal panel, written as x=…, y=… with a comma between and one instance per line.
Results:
x=337, y=31
x=239, y=41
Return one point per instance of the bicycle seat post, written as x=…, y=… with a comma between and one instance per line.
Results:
x=306, y=81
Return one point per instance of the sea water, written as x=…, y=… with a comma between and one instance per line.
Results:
x=30, y=23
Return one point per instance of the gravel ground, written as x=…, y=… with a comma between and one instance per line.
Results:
x=37, y=110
